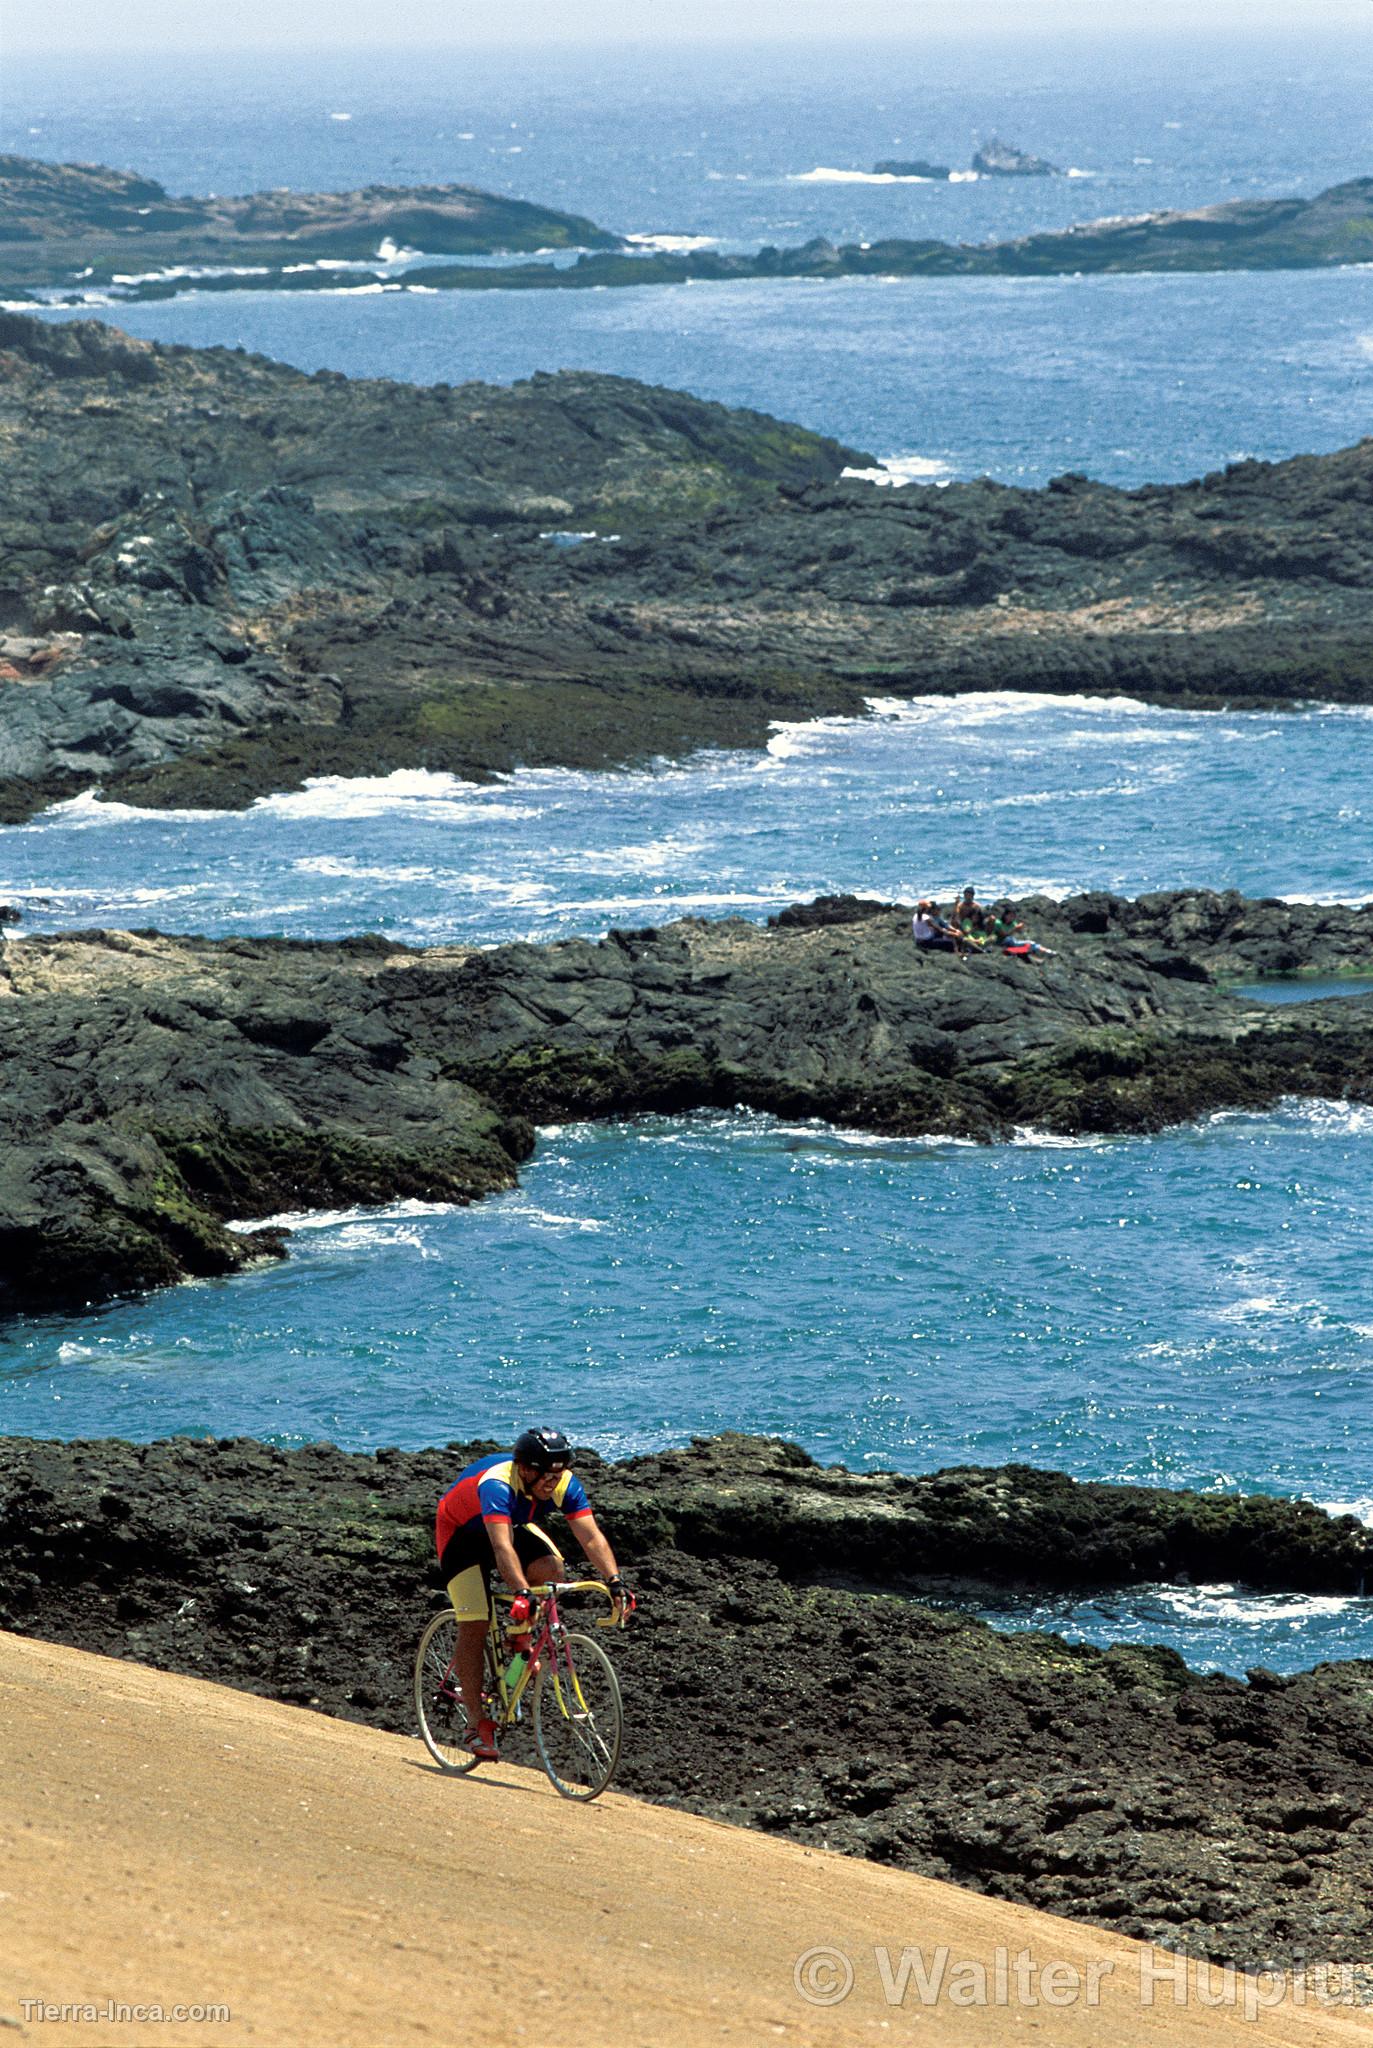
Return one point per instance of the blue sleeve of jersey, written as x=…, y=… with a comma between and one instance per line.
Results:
x=574, y=1500
x=497, y=1497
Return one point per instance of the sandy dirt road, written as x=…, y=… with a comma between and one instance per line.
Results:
x=168, y=1842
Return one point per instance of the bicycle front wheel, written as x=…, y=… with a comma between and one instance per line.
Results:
x=438, y=1702
x=578, y=1718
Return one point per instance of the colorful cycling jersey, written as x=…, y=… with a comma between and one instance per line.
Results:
x=490, y=1491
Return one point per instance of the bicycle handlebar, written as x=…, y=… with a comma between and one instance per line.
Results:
x=562, y=1587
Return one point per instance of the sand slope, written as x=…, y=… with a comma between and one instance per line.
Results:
x=169, y=1841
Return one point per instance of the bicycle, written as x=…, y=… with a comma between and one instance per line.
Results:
x=575, y=1706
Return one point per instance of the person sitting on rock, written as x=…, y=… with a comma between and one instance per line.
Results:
x=930, y=931
x=965, y=922
x=1012, y=937
x=492, y=1517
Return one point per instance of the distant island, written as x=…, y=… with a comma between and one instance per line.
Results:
x=998, y=159
x=77, y=234
x=64, y=222
x=994, y=159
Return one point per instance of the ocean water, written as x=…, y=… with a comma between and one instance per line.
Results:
x=1130, y=379
x=1189, y=1309
x=1021, y=794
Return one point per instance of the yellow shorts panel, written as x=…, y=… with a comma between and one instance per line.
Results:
x=468, y=1589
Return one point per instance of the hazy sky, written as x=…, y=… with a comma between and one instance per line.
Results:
x=244, y=24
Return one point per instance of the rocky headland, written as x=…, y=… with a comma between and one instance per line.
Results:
x=159, y=1089
x=78, y=230
x=220, y=576
x=60, y=223
x=783, y=1671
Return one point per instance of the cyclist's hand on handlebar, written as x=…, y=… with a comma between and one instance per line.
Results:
x=625, y=1603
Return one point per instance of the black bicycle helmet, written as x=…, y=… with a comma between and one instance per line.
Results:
x=542, y=1448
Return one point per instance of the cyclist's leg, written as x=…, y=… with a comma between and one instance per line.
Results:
x=539, y=1554
x=467, y=1590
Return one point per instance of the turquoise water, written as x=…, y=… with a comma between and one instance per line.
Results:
x=1190, y=1309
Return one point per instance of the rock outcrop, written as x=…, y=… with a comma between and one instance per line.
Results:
x=222, y=576
x=1226, y=1818
x=64, y=222
x=998, y=159
x=159, y=1088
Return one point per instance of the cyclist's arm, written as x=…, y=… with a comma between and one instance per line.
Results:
x=507, y=1559
x=599, y=1554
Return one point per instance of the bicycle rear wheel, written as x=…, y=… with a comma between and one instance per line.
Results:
x=438, y=1702
x=578, y=1718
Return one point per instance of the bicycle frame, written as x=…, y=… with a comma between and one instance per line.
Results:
x=548, y=1638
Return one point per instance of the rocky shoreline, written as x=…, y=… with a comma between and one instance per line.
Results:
x=77, y=229
x=161, y=1089
x=222, y=576
x=85, y=224
x=782, y=1672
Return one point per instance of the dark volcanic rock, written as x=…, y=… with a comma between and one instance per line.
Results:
x=222, y=576
x=158, y=1087
x=1114, y=1786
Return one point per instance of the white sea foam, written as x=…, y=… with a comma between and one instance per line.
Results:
x=1030, y=1139
x=832, y=174
x=895, y=470
x=1318, y=1116
x=672, y=244
x=339, y=263
x=982, y=707
x=344, y=867
x=90, y=809
x=651, y=856
x=1330, y=1119
x=1361, y=894
x=828, y=174
x=190, y=270
x=1225, y=1602
x=1361, y=1507
x=528, y=1212
x=1074, y=172
x=365, y=796
x=336, y=1219
x=1255, y=1308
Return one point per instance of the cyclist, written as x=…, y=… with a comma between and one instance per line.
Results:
x=493, y=1516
